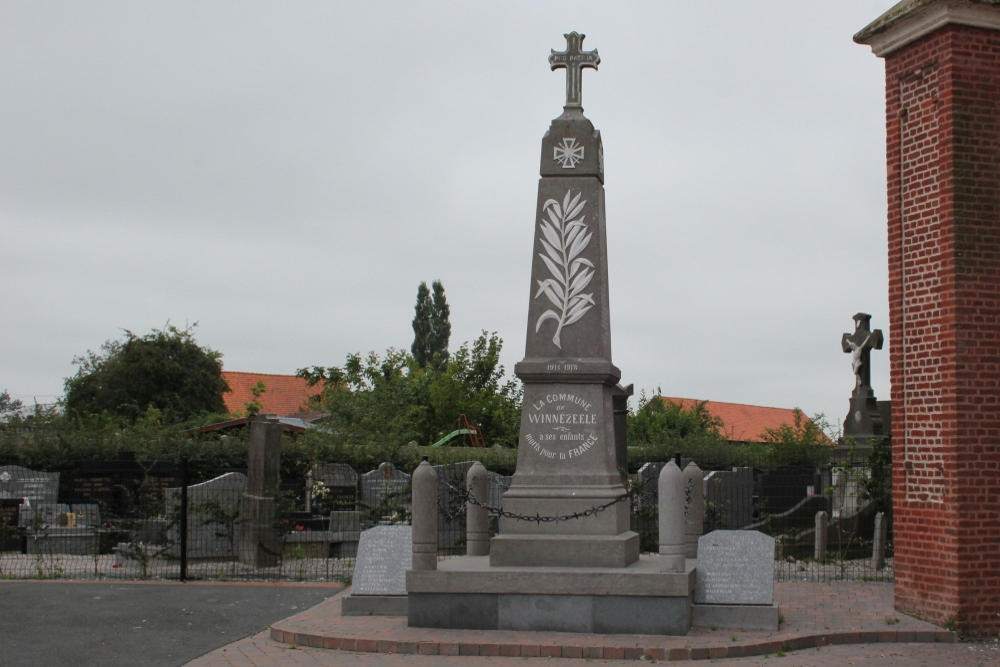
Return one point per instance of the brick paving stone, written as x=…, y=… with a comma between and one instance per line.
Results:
x=849, y=617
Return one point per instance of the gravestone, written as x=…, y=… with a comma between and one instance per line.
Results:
x=341, y=488
x=647, y=477
x=386, y=489
x=784, y=487
x=11, y=537
x=122, y=486
x=378, y=586
x=451, y=504
x=734, y=587
x=729, y=498
x=214, y=517
x=498, y=487
x=735, y=567
x=17, y=482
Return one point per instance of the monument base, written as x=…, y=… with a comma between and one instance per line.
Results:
x=467, y=593
x=737, y=616
x=616, y=551
x=373, y=605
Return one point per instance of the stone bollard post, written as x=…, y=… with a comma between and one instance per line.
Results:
x=259, y=537
x=878, y=546
x=425, y=517
x=671, y=491
x=822, y=524
x=694, y=508
x=477, y=518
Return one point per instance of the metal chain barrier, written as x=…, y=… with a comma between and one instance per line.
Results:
x=467, y=496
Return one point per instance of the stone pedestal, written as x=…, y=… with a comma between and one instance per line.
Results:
x=468, y=592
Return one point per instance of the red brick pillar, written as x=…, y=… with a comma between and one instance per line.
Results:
x=942, y=70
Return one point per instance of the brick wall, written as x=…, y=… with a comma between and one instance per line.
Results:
x=943, y=159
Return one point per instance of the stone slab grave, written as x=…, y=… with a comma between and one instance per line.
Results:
x=734, y=586
x=565, y=557
x=214, y=521
x=56, y=528
x=378, y=588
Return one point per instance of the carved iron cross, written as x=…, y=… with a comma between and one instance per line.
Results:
x=574, y=60
x=860, y=345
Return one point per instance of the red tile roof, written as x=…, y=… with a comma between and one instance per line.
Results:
x=741, y=423
x=284, y=395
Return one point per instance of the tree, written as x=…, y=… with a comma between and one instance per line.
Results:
x=391, y=400
x=9, y=408
x=431, y=327
x=657, y=421
x=802, y=442
x=166, y=370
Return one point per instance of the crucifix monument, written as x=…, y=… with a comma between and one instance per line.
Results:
x=863, y=421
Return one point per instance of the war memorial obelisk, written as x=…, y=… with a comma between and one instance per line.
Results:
x=567, y=465
x=564, y=559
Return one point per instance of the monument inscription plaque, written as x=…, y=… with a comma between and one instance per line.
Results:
x=385, y=553
x=735, y=567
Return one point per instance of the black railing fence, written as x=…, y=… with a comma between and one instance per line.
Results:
x=132, y=519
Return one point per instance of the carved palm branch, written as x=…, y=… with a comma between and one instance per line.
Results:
x=563, y=239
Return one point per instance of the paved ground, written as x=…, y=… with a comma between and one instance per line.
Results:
x=858, y=615
x=261, y=651
x=213, y=625
x=132, y=623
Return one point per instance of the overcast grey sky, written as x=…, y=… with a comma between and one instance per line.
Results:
x=285, y=174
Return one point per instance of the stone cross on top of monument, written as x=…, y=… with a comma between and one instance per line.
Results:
x=574, y=60
x=860, y=345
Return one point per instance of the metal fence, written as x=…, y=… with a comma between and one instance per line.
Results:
x=131, y=519
x=784, y=502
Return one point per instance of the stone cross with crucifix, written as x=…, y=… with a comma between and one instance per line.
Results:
x=864, y=420
x=860, y=344
x=574, y=60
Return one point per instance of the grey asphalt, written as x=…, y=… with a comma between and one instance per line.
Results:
x=133, y=623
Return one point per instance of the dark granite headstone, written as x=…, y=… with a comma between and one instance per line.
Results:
x=11, y=538
x=9, y=509
x=385, y=553
x=340, y=484
x=735, y=567
x=451, y=504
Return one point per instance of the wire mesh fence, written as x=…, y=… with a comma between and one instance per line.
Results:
x=133, y=519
